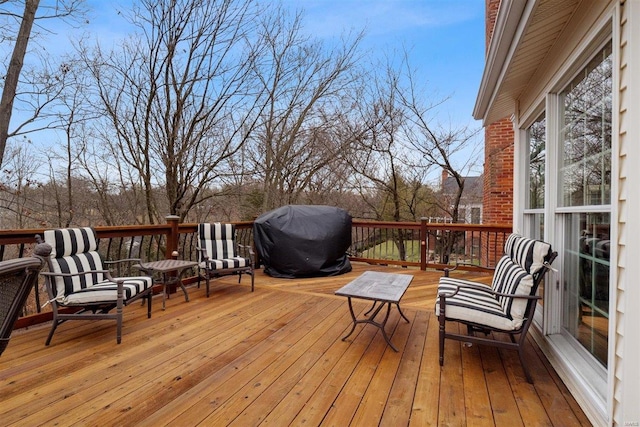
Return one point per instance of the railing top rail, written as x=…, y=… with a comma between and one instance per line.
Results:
x=356, y=222
x=14, y=236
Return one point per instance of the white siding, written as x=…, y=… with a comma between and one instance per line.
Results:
x=616, y=356
x=625, y=334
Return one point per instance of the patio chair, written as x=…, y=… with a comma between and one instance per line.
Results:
x=17, y=278
x=507, y=306
x=218, y=253
x=78, y=280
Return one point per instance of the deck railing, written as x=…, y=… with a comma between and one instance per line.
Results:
x=406, y=244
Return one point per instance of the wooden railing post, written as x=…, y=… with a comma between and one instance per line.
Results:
x=173, y=238
x=423, y=244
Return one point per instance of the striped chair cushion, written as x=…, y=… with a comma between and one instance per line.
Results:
x=529, y=253
x=107, y=291
x=220, y=244
x=511, y=278
x=218, y=239
x=74, y=250
x=235, y=262
x=475, y=303
x=71, y=241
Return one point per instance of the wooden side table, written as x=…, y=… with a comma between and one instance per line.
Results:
x=165, y=267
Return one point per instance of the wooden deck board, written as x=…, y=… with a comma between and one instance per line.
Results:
x=273, y=357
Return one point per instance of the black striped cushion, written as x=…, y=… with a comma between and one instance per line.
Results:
x=108, y=291
x=511, y=278
x=75, y=251
x=475, y=303
x=218, y=239
x=71, y=241
x=235, y=262
x=529, y=253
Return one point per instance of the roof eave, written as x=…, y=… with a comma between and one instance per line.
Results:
x=504, y=40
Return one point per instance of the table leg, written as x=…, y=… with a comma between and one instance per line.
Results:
x=401, y=313
x=164, y=289
x=371, y=309
x=184, y=289
x=353, y=316
x=170, y=280
x=372, y=321
x=382, y=326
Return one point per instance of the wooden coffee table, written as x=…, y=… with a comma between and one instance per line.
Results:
x=381, y=288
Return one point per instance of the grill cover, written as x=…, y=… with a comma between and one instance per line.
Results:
x=303, y=241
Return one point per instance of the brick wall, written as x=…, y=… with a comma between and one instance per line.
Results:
x=498, y=173
x=498, y=154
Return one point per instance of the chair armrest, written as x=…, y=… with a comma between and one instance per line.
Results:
x=107, y=275
x=82, y=273
x=249, y=250
x=487, y=289
x=481, y=286
x=203, y=252
x=119, y=261
x=125, y=264
x=521, y=296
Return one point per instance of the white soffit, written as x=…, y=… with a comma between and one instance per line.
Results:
x=524, y=33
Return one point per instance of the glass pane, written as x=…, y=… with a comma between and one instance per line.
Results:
x=536, y=140
x=585, y=170
x=586, y=281
x=534, y=228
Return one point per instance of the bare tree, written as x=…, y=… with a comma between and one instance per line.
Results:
x=387, y=171
x=34, y=97
x=178, y=96
x=453, y=150
x=17, y=206
x=305, y=83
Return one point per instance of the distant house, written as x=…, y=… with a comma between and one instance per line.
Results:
x=470, y=208
x=561, y=77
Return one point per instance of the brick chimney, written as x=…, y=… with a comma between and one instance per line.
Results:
x=498, y=153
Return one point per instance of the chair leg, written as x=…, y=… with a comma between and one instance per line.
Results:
x=524, y=366
x=252, y=279
x=149, y=299
x=119, y=326
x=441, y=321
x=53, y=329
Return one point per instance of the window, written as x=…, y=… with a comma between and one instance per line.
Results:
x=476, y=215
x=585, y=171
x=584, y=197
x=536, y=149
x=536, y=141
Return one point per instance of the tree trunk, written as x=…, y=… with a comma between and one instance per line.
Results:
x=13, y=71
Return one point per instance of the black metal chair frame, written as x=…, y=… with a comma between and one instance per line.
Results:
x=472, y=328
x=17, y=278
x=208, y=273
x=92, y=311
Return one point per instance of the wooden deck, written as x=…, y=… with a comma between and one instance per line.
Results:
x=273, y=357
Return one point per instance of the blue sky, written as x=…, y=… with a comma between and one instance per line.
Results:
x=445, y=39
